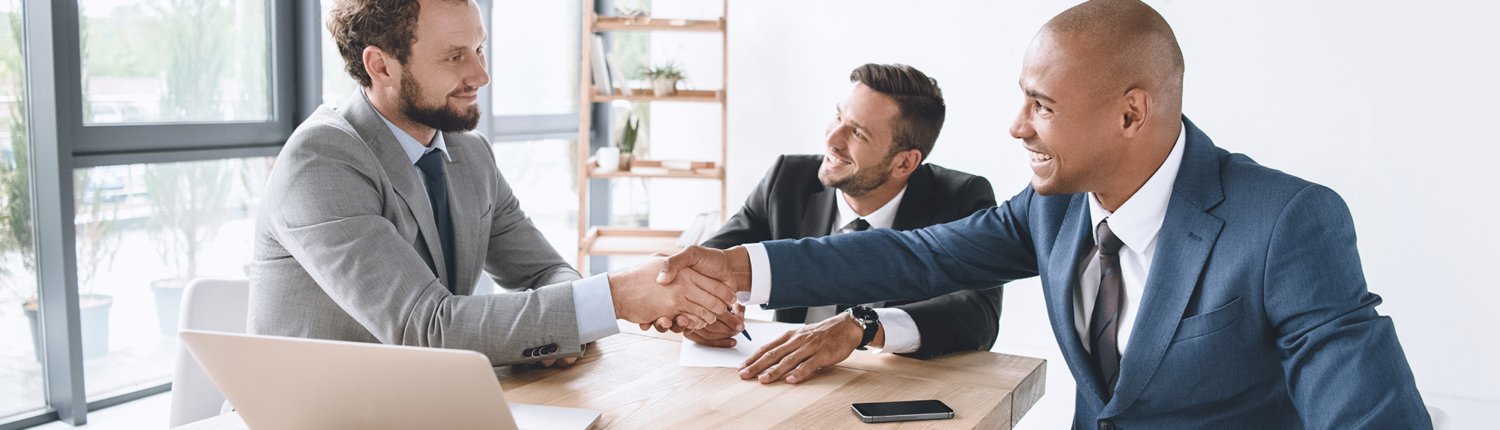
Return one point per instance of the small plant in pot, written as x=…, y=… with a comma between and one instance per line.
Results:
x=627, y=142
x=189, y=202
x=664, y=78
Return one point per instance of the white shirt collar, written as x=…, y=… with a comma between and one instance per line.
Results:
x=881, y=218
x=414, y=150
x=1138, y=221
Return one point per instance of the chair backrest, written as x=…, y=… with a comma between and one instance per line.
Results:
x=207, y=304
x=1440, y=419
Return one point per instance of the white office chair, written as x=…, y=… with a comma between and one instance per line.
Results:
x=1440, y=419
x=207, y=304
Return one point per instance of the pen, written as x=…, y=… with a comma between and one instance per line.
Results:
x=747, y=329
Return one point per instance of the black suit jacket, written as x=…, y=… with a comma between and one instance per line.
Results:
x=790, y=203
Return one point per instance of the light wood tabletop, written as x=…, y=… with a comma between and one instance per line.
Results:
x=635, y=380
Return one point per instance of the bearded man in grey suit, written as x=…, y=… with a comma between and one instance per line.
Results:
x=381, y=215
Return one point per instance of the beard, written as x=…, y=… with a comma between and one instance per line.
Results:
x=862, y=181
x=442, y=118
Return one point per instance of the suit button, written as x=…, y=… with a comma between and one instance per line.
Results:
x=552, y=348
x=1107, y=425
x=527, y=353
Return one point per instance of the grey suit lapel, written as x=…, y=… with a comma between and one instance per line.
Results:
x=466, y=202
x=1073, y=246
x=1184, y=244
x=403, y=176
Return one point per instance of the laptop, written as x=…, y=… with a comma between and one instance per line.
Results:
x=294, y=383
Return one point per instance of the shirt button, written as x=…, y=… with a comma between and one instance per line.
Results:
x=1107, y=425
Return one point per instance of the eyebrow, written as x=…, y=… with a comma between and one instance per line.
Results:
x=840, y=108
x=1039, y=96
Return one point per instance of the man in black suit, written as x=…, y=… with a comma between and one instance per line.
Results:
x=872, y=176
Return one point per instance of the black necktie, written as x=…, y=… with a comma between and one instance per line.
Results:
x=431, y=165
x=858, y=225
x=1104, y=322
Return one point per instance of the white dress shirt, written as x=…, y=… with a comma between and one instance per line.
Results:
x=1136, y=223
x=901, y=334
x=593, y=306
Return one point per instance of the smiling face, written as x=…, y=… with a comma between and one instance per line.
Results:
x=1067, y=123
x=859, y=140
x=440, y=80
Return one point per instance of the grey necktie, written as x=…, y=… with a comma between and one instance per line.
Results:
x=1104, y=321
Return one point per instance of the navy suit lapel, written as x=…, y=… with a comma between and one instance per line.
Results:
x=1184, y=244
x=1073, y=246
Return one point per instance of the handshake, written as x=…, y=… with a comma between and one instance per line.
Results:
x=693, y=290
x=689, y=290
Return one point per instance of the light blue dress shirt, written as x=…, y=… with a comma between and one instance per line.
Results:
x=593, y=306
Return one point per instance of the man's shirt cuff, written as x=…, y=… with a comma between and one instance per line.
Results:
x=901, y=333
x=594, y=308
x=760, y=277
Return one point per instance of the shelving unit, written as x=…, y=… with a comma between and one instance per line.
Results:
x=606, y=240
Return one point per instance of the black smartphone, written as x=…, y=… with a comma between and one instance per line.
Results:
x=915, y=410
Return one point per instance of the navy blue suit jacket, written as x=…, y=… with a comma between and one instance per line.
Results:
x=1255, y=313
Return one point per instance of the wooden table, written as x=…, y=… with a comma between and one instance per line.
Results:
x=635, y=380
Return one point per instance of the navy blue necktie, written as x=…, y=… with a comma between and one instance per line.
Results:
x=431, y=165
x=1104, y=321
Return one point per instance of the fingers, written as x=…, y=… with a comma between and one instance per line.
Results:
x=699, y=337
x=567, y=361
x=663, y=324
x=674, y=264
x=739, y=309
x=767, y=355
x=548, y=363
x=706, y=292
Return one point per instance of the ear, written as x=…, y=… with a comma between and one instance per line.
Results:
x=383, y=69
x=1137, y=109
x=906, y=162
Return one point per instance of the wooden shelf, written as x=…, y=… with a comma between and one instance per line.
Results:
x=628, y=241
x=646, y=95
x=615, y=23
x=653, y=169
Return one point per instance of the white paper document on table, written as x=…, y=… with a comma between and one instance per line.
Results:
x=695, y=355
x=538, y=417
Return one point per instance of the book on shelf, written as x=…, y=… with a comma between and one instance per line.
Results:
x=618, y=77
x=704, y=226
x=601, y=70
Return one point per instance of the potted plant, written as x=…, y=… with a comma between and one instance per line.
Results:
x=664, y=78
x=189, y=202
x=626, y=144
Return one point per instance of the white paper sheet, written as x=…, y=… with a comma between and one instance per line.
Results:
x=695, y=355
x=538, y=417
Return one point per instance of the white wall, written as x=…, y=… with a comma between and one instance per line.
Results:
x=1392, y=104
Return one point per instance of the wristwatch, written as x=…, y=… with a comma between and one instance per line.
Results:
x=869, y=320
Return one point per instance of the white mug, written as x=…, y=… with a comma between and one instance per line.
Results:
x=608, y=158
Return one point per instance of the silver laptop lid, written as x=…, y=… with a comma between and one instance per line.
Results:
x=294, y=383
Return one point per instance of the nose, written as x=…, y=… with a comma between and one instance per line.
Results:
x=835, y=139
x=479, y=75
x=1021, y=128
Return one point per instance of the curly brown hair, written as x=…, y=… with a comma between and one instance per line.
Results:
x=390, y=25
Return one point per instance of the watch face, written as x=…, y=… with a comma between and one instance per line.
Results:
x=864, y=314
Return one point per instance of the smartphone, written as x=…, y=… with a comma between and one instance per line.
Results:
x=915, y=410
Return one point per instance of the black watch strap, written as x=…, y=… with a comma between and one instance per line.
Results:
x=869, y=319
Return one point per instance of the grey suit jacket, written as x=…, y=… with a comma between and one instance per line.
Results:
x=346, y=248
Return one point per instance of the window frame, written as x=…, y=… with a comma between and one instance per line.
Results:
x=61, y=142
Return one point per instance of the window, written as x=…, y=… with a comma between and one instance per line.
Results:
x=337, y=84
x=174, y=60
x=534, y=57
x=542, y=176
x=143, y=231
x=21, y=361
